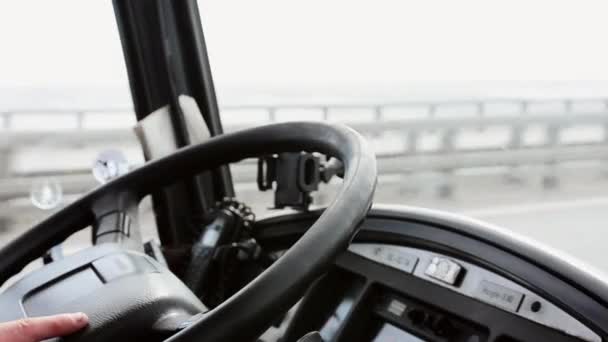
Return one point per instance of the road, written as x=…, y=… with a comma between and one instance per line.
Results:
x=577, y=227
x=570, y=217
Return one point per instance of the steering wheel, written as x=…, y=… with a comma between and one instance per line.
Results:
x=253, y=309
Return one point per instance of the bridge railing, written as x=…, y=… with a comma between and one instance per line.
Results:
x=448, y=118
x=409, y=136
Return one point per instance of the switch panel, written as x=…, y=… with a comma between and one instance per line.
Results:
x=475, y=282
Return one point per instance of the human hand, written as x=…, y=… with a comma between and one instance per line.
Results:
x=42, y=328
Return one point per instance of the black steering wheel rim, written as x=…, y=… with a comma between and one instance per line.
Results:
x=251, y=310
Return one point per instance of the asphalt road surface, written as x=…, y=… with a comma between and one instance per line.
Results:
x=571, y=218
x=578, y=227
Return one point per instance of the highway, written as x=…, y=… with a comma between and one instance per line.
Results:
x=548, y=184
x=577, y=226
x=570, y=217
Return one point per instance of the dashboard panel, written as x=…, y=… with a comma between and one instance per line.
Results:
x=474, y=282
x=418, y=275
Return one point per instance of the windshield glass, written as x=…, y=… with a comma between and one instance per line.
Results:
x=493, y=110
x=498, y=111
x=64, y=98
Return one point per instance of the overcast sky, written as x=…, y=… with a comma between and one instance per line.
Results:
x=280, y=42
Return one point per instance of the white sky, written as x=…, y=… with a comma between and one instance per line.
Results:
x=277, y=42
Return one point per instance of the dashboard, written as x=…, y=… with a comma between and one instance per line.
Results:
x=417, y=275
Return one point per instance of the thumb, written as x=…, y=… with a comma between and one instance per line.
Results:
x=42, y=328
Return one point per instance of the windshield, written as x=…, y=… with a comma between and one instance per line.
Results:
x=498, y=111
x=64, y=98
x=492, y=110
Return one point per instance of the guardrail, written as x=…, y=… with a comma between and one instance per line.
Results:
x=426, y=136
x=411, y=117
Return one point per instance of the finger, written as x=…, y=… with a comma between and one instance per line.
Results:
x=41, y=328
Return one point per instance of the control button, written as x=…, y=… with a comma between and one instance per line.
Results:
x=498, y=295
x=396, y=307
x=535, y=306
x=430, y=320
x=418, y=317
x=395, y=258
x=442, y=327
x=389, y=256
x=445, y=270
